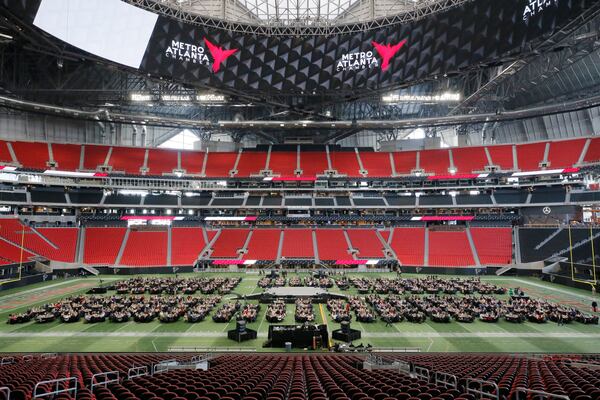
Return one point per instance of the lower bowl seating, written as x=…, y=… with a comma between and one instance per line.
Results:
x=315, y=377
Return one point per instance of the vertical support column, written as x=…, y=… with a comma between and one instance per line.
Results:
x=169, y=242
x=51, y=156
x=515, y=158
x=315, y=247
x=517, y=245
x=80, y=250
x=393, y=164
x=204, y=234
x=280, y=246
x=329, y=165
x=82, y=158
x=546, y=153
x=234, y=171
x=362, y=170
x=108, y=154
x=204, y=162
x=179, y=160
x=268, y=158
x=144, y=168
x=452, y=168
x=298, y=163
x=426, y=249
x=489, y=156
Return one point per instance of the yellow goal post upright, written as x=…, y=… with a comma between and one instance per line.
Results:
x=594, y=280
x=21, y=250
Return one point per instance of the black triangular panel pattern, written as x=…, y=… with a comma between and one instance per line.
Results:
x=480, y=31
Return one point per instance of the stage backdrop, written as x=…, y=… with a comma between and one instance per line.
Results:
x=480, y=31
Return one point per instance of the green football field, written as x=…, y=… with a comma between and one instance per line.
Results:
x=208, y=335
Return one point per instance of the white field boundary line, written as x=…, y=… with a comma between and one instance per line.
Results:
x=42, y=288
x=471, y=335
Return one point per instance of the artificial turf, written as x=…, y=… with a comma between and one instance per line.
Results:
x=155, y=336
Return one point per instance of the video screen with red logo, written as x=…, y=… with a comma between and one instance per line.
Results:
x=478, y=32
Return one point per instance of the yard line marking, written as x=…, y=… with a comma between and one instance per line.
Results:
x=417, y=335
x=430, y=344
x=581, y=296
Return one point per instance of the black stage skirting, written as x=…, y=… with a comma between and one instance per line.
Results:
x=300, y=336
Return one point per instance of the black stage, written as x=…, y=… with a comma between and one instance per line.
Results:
x=290, y=294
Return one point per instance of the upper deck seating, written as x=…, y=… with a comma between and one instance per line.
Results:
x=94, y=156
x=219, y=165
x=283, y=162
x=161, y=162
x=251, y=163
x=530, y=156
x=469, y=159
x=435, y=161
x=66, y=156
x=376, y=164
x=502, y=156
x=32, y=154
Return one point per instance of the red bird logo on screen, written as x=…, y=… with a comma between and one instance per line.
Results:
x=219, y=54
x=387, y=52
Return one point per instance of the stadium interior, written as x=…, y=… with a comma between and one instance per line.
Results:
x=299, y=199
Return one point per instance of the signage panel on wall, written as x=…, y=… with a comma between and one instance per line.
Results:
x=479, y=31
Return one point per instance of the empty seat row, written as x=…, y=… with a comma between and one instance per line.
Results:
x=352, y=163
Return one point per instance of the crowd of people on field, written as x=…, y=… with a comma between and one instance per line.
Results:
x=276, y=311
x=119, y=308
x=468, y=308
x=304, y=311
x=176, y=285
x=427, y=285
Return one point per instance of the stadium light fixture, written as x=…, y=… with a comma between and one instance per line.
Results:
x=140, y=97
x=127, y=192
x=176, y=98
x=210, y=98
